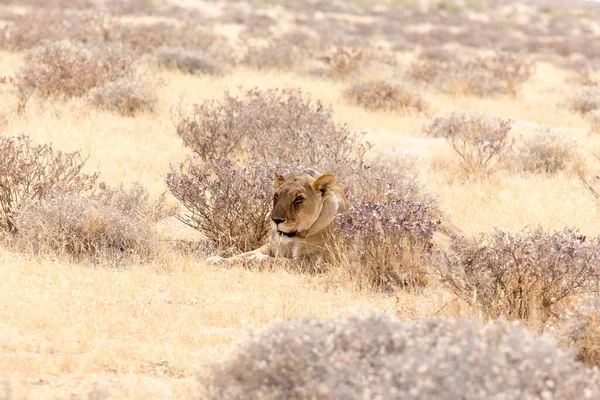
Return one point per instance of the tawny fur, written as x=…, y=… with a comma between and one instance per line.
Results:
x=304, y=208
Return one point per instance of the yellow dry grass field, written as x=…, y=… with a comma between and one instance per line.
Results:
x=72, y=329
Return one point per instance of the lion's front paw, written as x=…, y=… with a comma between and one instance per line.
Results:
x=214, y=260
x=258, y=257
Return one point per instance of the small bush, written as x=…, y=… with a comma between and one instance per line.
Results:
x=229, y=204
x=189, y=62
x=469, y=82
x=254, y=24
x=380, y=95
x=479, y=139
x=216, y=129
x=381, y=243
x=71, y=70
x=286, y=118
x=546, y=152
x=277, y=55
x=327, y=147
x=126, y=96
x=192, y=36
x=501, y=74
x=301, y=38
x=511, y=69
x=426, y=71
x=283, y=125
x=579, y=328
x=388, y=227
x=134, y=201
x=521, y=275
x=585, y=100
x=36, y=172
x=69, y=224
x=40, y=24
x=375, y=356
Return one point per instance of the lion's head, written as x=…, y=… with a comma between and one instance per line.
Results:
x=298, y=202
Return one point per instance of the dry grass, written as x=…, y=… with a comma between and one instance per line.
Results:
x=579, y=328
x=381, y=95
x=68, y=330
x=594, y=119
x=71, y=328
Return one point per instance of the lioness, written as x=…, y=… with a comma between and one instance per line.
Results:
x=303, y=209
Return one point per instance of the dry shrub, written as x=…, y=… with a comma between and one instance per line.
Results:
x=71, y=70
x=585, y=100
x=126, y=96
x=215, y=128
x=36, y=172
x=134, y=201
x=228, y=203
x=381, y=95
x=594, y=119
x=252, y=32
x=479, y=139
x=40, y=24
x=469, y=82
x=252, y=20
x=186, y=61
x=374, y=356
x=277, y=55
x=284, y=132
x=71, y=225
x=327, y=147
x=428, y=70
x=335, y=149
x=546, y=152
x=381, y=243
x=579, y=328
x=190, y=35
x=501, y=74
x=301, y=38
x=520, y=275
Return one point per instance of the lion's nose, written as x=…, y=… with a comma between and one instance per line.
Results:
x=278, y=220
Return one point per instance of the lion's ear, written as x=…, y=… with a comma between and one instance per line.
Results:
x=278, y=179
x=324, y=183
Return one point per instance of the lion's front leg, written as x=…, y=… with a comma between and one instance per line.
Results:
x=261, y=253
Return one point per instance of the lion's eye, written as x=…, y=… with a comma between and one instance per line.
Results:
x=275, y=198
x=298, y=200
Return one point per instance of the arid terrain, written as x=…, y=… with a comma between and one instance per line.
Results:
x=474, y=118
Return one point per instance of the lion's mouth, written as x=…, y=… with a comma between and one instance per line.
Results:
x=288, y=234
